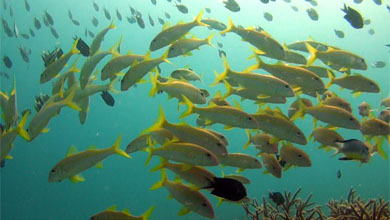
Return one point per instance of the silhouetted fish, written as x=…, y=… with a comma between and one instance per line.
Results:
x=82, y=46
x=276, y=197
x=108, y=99
x=7, y=61
x=353, y=17
x=227, y=188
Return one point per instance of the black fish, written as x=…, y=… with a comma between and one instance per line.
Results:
x=7, y=62
x=49, y=18
x=276, y=197
x=40, y=101
x=4, y=74
x=221, y=53
x=50, y=57
x=26, y=5
x=54, y=32
x=37, y=23
x=76, y=22
x=140, y=21
x=82, y=46
x=24, y=53
x=227, y=188
x=353, y=17
x=6, y=28
x=2, y=163
x=281, y=162
x=118, y=15
x=95, y=6
x=338, y=174
x=108, y=99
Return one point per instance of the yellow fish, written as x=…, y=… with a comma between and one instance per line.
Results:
x=241, y=161
x=75, y=162
x=294, y=156
x=170, y=34
x=192, y=199
x=118, y=63
x=272, y=165
x=97, y=41
x=112, y=214
x=185, y=46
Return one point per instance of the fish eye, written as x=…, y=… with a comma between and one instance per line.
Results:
x=219, y=144
x=204, y=204
x=249, y=118
x=268, y=143
x=299, y=155
x=299, y=133
x=53, y=171
x=351, y=119
x=172, y=48
x=286, y=86
x=202, y=94
x=208, y=154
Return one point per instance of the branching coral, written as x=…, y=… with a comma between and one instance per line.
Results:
x=294, y=208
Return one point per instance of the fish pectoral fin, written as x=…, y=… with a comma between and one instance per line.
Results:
x=8, y=157
x=220, y=201
x=183, y=211
x=239, y=170
x=169, y=197
x=228, y=127
x=77, y=178
x=45, y=130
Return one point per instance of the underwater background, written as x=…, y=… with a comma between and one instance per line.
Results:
x=25, y=190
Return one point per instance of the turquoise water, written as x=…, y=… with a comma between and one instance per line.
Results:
x=25, y=190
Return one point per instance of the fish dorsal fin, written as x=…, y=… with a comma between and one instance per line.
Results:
x=112, y=208
x=237, y=104
x=177, y=179
x=166, y=25
x=92, y=147
x=130, y=52
x=265, y=33
x=186, y=66
x=72, y=150
x=126, y=211
x=181, y=22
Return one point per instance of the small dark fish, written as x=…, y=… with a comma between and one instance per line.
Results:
x=367, y=21
x=50, y=57
x=6, y=28
x=131, y=20
x=208, y=10
x=387, y=45
x=313, y=3
x=388, y=7
x=221, y=53
x=338, y=174
x=161, y=21
x=378, y=64
x=7, y=62
x=75, y=22
x=169, y=0
x=49, y=18
x=140, y=21
x=25, y=36
x=70, y=15
x=312, y=14
x=132, y=10
x=378, y=2
x=231, y=5
x=118, y=15
x=108, y=99
x=107, y=13
x=339, y=34
x=264, y=1
x=2, y=163
x=37, y=23
x=95, y=6
x=86, y=32
x=168, y=16
x=54, y=32
x=227, y=188
x=287, y=1
x=95, y=21
x=24, y=52
x=182, y=8
x=5, y=4
x=11, y=12
x=353, y=17
x=82, y=46
x=371, y=32
x=268, y=16
x=4, y=74
x=40, y=101
x=277, y=198
x=281, y=162
x=220, y=45
x=91, y=34
x=151, y=20
x=45, y=21
x=357, y=1
x=294, y=8
x=154, y=2
x=32, y=33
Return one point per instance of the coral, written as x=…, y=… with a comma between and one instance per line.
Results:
x=295, y=208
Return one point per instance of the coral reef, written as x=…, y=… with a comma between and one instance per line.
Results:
x=295, y=208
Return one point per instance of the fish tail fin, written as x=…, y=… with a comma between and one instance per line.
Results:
x=300, y=112
x=190, y=107
x=115, y=148
x=147, y=214
x=331, y=79
x=69, y=100
x=150, y=149
x=114, y=49
x=378, y=145
x=313, y=52
x=229, y=90
x=112, y=25
x=208, y=40
x=155, y=83
x=20, y=127
x=165, y=56
x=160, y=166
x=224, y=74
x=248, y=133
x=112, y=84
x=160, y=183
x=74, y=49
x=159, y=122
x=228, y=29
x=198, y=19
